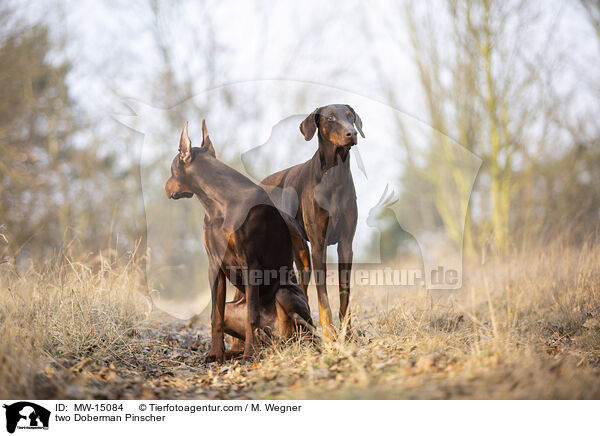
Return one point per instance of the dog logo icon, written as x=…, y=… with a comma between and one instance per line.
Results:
x=26, y=415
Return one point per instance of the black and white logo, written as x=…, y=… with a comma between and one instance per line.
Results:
x=26, y=415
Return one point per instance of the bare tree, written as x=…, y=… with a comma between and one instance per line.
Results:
x=483, y=80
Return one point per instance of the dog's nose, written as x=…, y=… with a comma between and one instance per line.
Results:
x=351, y=133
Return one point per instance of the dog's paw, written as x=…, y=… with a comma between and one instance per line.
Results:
x=215, y=356
x=233, y=354
x=250, y=351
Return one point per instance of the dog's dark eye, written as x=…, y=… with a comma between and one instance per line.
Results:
x=331, y=118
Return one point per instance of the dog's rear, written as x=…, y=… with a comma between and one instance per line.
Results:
x=291, y=304
x=289, y=314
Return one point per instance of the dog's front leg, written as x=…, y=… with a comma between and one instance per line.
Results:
x=217, y=346
x=320, y=275
x=344, y=250
x=237, y=346
x=252, y=319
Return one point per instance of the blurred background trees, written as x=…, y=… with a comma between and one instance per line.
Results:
x=495, y=77
x=515, y=83
x=53, y=190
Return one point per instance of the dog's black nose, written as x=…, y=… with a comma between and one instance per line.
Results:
x=351, y=133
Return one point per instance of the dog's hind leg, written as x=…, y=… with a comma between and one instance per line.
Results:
x=302, y=261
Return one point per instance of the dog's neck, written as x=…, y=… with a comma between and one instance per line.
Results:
x=205, y=189
x=221, y=188
x=327, y=157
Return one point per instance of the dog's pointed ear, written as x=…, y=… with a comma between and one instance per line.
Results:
x=185, y=145
x=309, y=125
x=357, y=120
x=206, y=142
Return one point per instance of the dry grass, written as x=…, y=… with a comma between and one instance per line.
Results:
x=527, y=327
x=63, y=314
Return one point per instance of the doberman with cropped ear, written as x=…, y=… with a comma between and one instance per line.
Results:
x=327, y=211
x=247, y=241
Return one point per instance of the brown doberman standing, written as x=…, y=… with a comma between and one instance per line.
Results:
x=327, y=211
x=247, y=241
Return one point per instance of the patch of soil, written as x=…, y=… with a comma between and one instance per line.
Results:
x=162, y=362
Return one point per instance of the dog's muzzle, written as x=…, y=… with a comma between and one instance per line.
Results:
x=178, y=195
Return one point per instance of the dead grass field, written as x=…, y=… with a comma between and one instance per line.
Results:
x=524, y=327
